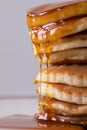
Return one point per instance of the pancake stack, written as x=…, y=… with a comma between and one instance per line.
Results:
x=59, y=35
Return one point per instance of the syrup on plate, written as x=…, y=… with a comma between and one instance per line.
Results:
x=24, y=122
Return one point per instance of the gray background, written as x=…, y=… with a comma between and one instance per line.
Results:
x=17, y=63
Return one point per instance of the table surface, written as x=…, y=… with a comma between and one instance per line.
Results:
x=12, y=106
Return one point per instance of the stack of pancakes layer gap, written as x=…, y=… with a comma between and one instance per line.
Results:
x=59, y=35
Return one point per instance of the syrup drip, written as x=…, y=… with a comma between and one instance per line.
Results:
x=47, y=56
x=40, y=73
x=43, y=53
x=43, y=66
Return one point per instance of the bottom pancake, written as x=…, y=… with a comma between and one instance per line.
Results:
x=54, y=110
x=44, y=115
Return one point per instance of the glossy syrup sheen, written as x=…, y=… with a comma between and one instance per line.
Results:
x=55, y=11
x=44, y=9
x=50, y=33
x=20, y=122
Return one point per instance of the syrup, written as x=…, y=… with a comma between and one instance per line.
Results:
x=49, y=8
x=22, y=122
x=43, y=66
x=40, y=73
x=55, y=12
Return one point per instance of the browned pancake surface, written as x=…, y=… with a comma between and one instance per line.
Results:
x=67, y=74
x=64, y=92
x=61, y=107
x=71, y=56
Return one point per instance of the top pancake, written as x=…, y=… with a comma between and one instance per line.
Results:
x=55, y=11
x=75, y=75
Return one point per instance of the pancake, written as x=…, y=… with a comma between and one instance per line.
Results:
x=55, y=11
x=52, y=116
x=67, y=57
x=61, y=107
x=75, y=75
x=64, y=92
x=53, y=31
x=74, y=41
